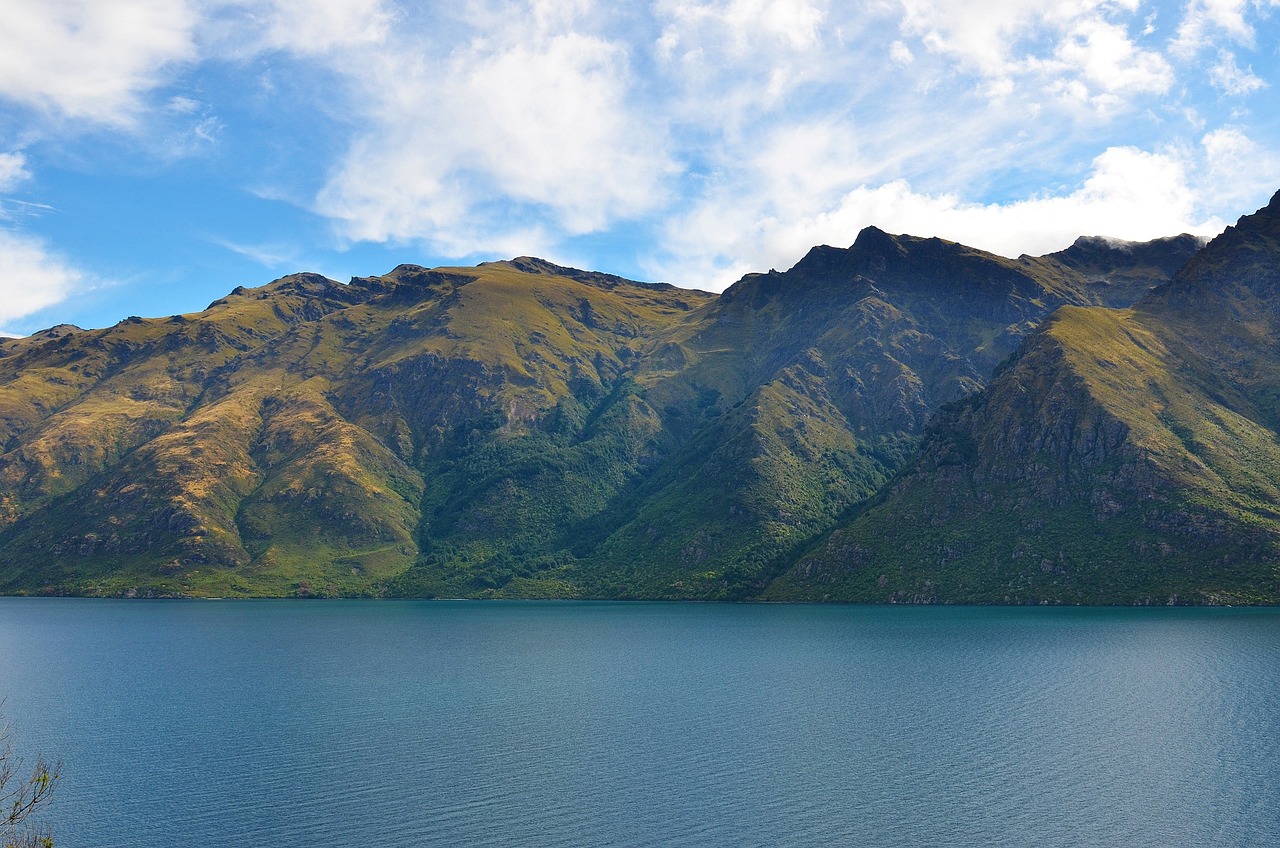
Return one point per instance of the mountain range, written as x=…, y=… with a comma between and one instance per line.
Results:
x=903, y=420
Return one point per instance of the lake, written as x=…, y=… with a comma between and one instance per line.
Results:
x=340, y=723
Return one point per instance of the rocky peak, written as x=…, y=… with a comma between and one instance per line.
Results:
x=873, y=240
x=1233, y=275
x=1119, y=273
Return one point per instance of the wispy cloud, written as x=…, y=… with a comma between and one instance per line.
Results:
x=273, y=256
x=525, y=127
x=1206, y=22
x=1129, y=193
x=720, y=135
x=1229, y=78
x=743, y=131
x=32, y=276
x=13, y=170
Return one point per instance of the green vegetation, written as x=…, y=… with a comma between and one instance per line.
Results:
x=22, y=799
x=520, y=429
x=1124, y=456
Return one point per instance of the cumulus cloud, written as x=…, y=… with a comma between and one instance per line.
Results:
x=1129, y=194
x=311, y=28
x=757, y=127
x=98, y=62
x=900, y=53
x=733, y=133
x=1236, y=169
x=90, y=60
x=32, y=277
x=308, y=27
x=739, y=27
x=530, y=119
x=984, y=42
x=1105, y=56
x=1086, y=52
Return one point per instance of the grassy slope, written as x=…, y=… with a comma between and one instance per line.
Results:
x=516, y=429
x=293, y=461
x=796, y=395
x=1125, y=456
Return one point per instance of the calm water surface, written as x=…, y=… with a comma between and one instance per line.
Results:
x=580, y=724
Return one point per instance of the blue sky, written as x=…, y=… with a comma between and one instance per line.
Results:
x=154, y=154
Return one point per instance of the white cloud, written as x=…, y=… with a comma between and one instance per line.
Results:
x=308, y=27
x=13, y=170
x=1207, y=20
x=31, y=276
x=754, y=128
x=510, y=133
x=267, y=255
x=724, y=64
x=1236, y=170
x=1082, y=51
x=1230, y=78
x=88, y=59
x=740, y=27
x=767, y=127
x=983, y=42
x=182, y=105
x=1129, y=194
x=1104, y=55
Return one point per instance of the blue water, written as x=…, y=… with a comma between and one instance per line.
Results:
x=574, y=724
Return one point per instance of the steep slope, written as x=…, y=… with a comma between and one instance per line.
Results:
x=1119, y=273
x=277, y=442
x=514, y=429
x=801, y=392
x=75, y=402
x=1125, y=456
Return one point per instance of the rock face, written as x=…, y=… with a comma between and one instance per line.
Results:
x=528, y=430
x=1124, y=456
x=1122, y=272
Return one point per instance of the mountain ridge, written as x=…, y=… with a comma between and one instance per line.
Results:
x=1122, y=456
x=524, y=429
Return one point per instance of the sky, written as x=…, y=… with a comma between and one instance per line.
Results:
x=155, y=154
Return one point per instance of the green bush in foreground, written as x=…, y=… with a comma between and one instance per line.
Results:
x=22, y=798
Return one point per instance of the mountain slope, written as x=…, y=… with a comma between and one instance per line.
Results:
x=750, y=425
x=801, y=392
x=514, y=429
x=253, y=449
x=1124, y=456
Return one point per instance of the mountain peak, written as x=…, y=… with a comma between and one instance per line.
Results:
x=536, y=265
x=1265, y=221
x=875, y=240
x=542, y=267
x=1095, y=242
x=1234, y=277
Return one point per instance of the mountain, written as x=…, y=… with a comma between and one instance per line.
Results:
x=276, y=442
x=1123, y=456
x=1121, y=272
x=515, y=429
x=796, y=395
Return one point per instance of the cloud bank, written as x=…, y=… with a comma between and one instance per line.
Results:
x=712, y=137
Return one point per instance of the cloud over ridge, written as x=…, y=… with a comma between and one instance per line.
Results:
x=706, y=137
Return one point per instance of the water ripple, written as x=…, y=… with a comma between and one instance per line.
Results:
x=408, y=724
